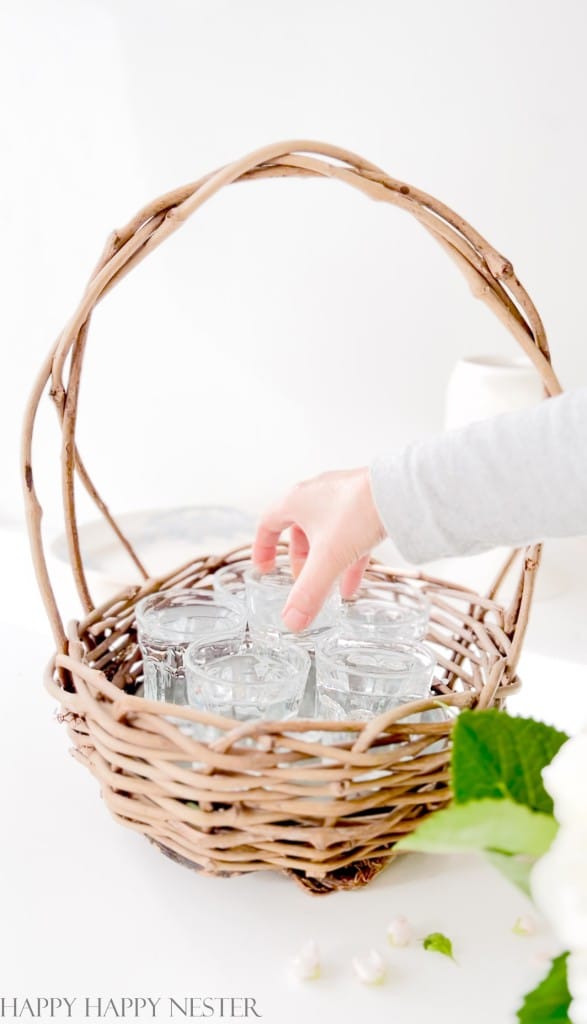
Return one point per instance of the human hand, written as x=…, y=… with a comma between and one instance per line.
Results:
x=334, y=524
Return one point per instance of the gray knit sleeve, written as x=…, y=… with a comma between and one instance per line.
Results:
x=513, y=479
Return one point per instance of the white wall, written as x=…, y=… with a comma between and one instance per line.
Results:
x=291, y=326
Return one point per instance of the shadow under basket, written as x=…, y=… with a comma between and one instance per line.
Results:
x=264, y=795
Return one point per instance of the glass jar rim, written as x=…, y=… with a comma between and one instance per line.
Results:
x=271, y=578
x=224, y=570
x=295, y=654
x=336, y=641
x=367, y=584
x=146, y=610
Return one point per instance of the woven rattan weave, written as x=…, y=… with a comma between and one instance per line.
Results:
x=270, y=795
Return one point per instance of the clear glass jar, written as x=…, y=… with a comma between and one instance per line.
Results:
x=167, y=622
x=244, y=680
x=362, y=678
x=229, y=581
x=267, y=594
x=386, y=611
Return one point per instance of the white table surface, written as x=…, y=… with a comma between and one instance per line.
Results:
x=92, y=909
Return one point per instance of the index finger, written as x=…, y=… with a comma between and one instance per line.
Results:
x=267, y=537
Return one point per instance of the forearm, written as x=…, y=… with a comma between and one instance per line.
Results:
x=514, y=479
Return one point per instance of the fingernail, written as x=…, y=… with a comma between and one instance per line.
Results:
x=295, y=620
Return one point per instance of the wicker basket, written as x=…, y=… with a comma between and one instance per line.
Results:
x=268, y=796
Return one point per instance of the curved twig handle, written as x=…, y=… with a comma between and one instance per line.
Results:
x=490, y=275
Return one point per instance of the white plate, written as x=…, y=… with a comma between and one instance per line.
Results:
x=163, y=538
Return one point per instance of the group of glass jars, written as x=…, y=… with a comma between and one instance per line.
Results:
x=227, y=650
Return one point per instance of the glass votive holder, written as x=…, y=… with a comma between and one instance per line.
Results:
x=267, y=594
x=359, y=678
x=167, y=622
x=385, y=611
x=229, y=581
x=243, y=680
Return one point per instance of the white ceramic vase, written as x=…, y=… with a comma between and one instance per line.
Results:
x=483, y=386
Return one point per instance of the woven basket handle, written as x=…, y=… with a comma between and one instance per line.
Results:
x=490, y=275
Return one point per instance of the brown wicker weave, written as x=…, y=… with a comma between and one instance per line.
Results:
x=328, y=814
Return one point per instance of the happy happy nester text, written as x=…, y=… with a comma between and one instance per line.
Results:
x=101, y=1007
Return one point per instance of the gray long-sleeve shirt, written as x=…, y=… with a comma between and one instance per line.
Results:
x=513, y=479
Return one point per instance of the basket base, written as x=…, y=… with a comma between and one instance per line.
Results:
x=186, y=863
x=353, y=876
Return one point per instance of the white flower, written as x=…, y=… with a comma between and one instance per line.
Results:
x=370, y=968
x=306, y=965
x=577, y=977
x=399, y=932
x=525, y=925
x=564, y=779
x=559, y=879
x=559, y=886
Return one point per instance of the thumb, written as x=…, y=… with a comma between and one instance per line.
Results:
x=311, y=588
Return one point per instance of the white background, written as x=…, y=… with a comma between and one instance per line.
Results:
x=291, y=326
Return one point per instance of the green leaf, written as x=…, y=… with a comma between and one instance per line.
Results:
x=500, y=825
x=436, y=942
x=495, y=755
x=549, y=1002
x=516, y=868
